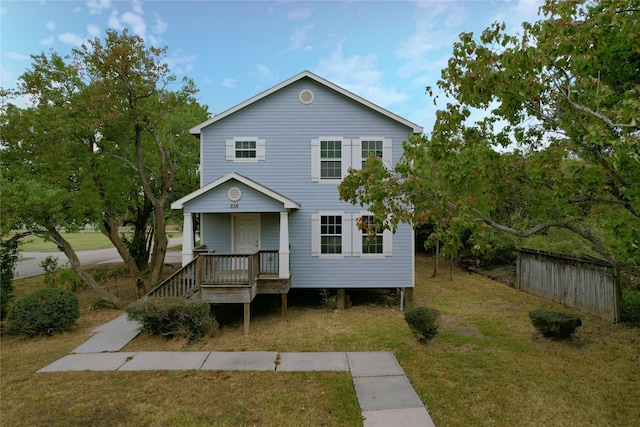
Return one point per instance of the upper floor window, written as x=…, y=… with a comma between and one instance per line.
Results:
x=246, y=149
x=370, y=148
x=330, y=159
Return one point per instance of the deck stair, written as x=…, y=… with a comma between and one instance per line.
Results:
x=227, y=278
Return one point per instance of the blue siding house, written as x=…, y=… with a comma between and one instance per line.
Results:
x=270, y=168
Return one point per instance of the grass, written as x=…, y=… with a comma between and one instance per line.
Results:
x=82, y=241
x=487, y=365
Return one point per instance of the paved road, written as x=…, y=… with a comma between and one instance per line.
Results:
x=29, y=263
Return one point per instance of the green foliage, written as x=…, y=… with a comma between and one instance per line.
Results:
x=423, y=322
x=328, y=300
x=554, y=324
x=630, y=306
x=43, y=311
x=59, y=277
x=173, y=317
x=8, y=258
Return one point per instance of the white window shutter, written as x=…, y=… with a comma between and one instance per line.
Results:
x=347, y=231
x=315, y=160
x=357, y=237
x=261, y=149
x=387, y=153
x=315, y=234
x=387, y=242
x=346, y=156
x=356, y=156
x=231, y=148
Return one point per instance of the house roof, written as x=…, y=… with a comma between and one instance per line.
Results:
x=288, y=203
x=306, y=74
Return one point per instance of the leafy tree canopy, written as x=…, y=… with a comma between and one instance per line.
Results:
x=557, y=146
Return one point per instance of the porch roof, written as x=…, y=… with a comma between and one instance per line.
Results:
x=287, y=203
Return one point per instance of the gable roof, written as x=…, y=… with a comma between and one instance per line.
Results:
x=307, y=74
x=288, y=203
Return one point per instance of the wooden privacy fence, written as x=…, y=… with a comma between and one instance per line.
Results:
x=585, y=283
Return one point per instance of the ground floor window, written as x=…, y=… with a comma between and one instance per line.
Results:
x=331, y=234
x=372, y=238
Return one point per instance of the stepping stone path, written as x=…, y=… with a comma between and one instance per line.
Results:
x=385, y=394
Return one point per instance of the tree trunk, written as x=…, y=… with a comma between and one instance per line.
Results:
x=110, y=229
x=77, y=268
x=435, y=267
x=160, y=243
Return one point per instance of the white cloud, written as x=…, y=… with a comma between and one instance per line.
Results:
x=14, y=56
x=160, y=26
x=516, y=12
x=300, y=13
x=358, y=74
x=229, y=83
x=136, y=5
x=71, y=39
x=93, y=30
x=299, y=38
x=97, y=6
x=47, y=41
x=114, y=21
x=136, y=22
x=263, y=75
x=50, y=25
x=180, y=63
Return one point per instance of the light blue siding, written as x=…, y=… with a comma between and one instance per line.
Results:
x=288, y=126
x=217, y=201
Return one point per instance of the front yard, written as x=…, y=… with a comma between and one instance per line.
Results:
x=486, y=366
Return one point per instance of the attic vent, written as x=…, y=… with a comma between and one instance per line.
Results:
x=306, y=96
x=234, y=194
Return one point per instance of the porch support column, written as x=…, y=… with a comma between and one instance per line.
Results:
x=283, y=266
x=187, y=239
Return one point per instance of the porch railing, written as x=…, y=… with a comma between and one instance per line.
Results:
x=213, y=269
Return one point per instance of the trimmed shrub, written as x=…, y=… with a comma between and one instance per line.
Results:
x=43, y=311
x=171, y=317
x=554, y=324
x=423, y=322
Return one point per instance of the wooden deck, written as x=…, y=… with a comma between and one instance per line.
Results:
x=227, y=279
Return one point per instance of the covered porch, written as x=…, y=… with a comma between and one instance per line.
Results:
x=244, y=244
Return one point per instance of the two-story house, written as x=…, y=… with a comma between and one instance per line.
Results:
x=269, y=207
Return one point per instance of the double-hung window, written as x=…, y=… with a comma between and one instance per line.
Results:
x=368, y=146
x=371, y=237
x=331, y=234
x=245, y=149
x=330, y=159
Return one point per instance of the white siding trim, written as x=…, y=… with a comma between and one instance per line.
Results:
x=315, y=234
x=387, y=243
x=261, y=149
x=347, y=232
x=315, y=160
x=356, y=232
x=231, y=149
x=356, y=156
x=387, y=153
x=346, y=157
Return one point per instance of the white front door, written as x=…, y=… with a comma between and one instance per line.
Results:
x=246, y=233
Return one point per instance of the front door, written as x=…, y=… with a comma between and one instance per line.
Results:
x=246, y=233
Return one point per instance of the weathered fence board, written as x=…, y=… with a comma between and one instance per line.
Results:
x=585, y=283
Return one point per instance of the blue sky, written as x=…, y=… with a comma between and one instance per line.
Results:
x=384, y=51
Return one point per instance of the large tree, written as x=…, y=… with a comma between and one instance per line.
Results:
x=106, y=136
x=562, y=97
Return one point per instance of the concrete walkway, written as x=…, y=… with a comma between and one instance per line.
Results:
x=385, y=394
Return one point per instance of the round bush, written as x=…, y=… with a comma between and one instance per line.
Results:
x=554, y=324
x=43, y=311
x=423, y=322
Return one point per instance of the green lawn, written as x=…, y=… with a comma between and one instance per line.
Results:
x=83, y=241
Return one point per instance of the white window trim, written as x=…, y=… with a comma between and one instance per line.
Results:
x=387, y=150
x=260, y=149
x=347, y=226
x=387, y=239
x=345, y=160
